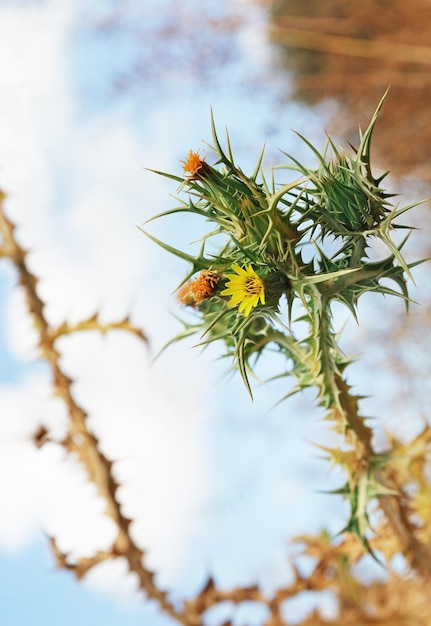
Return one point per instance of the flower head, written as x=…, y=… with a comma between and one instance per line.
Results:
x=246, y=288
x=193, y=164
x=197, y=290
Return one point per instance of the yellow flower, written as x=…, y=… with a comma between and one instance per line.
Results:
x=245, y=289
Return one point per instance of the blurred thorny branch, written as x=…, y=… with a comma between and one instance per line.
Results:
x=289, y=250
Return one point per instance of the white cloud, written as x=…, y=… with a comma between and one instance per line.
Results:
x=22, y=477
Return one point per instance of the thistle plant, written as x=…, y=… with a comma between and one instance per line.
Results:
x=286, y=253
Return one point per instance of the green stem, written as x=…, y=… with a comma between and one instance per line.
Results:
x=344, y=406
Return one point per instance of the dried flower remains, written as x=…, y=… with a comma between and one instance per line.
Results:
x=197, y=290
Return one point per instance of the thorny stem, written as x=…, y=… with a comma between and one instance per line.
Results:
x=80, y=440
x=345, y=410
x=396, y=511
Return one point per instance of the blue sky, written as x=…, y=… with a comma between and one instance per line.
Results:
x=34, y=592
x=84, y=109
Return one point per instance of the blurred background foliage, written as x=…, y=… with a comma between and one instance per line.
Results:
x=351, y=52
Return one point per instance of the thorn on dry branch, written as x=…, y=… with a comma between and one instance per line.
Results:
x=93, y=323
x=82, y=566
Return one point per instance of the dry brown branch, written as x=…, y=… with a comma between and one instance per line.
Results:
x=351, y=46
x=80, y=441
x=93, y=323
x=80, y=567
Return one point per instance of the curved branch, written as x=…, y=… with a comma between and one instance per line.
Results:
x=80, y=440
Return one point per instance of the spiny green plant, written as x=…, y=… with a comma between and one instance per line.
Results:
x=310, y=243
